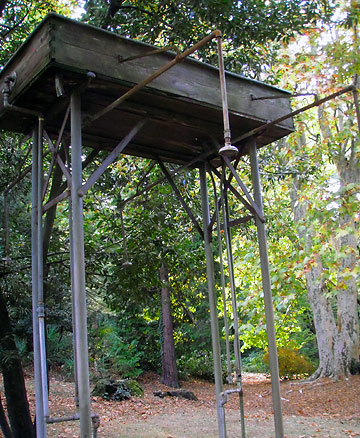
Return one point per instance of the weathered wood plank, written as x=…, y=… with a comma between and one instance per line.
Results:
x=95, y=50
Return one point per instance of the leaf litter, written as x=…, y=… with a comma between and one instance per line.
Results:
x=324, y=408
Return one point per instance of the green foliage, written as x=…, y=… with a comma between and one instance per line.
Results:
x=59, y=345
x=111, y=354
x=253, y=362
x=248, y=27
x=20, y=17
x=292, y=364
x=198, y=364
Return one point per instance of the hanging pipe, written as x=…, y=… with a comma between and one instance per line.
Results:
x=228, y=150
x=9, y=83
x=226, y=321
x=225, y=208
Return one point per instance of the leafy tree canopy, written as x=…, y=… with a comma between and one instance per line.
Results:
x=248, y=26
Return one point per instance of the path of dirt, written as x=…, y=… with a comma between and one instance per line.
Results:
x=324, y=409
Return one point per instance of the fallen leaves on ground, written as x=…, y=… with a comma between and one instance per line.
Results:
x=323, y=398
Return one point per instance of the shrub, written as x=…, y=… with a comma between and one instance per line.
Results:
x=253, y=362
x=200, y=365
x=291, y=363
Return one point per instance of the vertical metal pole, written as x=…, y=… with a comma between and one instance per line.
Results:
x=269, y=312
x=223, y=293
x=74, y=326
x=40, y=423
x=40, y=267
x=212, y=302
x=79, y=291
x=237, y=352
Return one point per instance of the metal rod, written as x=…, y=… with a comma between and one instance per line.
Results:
x=212, y=302
x=244, y=189
x=269, y=312
x=73, y=314
x=57, y=144
x=56, y=200
x=40, y=267
x=225, y=107
x=263, y=127
x=79, y=290
x=199, y=158
x=111, y=157
x=179, y=58
x=60, y=162
x=227, y=185
x=237, y=353
x=234, y=222
x=252, y=97
x=223, y=283
x=180, y=198
x=65, y=191
x=40, y=421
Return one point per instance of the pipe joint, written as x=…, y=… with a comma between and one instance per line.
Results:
x=41, y=310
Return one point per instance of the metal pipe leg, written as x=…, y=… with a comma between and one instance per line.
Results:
x=74, y=327
x=212, y=302
x=269, y=312
x=40, y=267
x=40, y=422
x=230, y=258
x=79, y=291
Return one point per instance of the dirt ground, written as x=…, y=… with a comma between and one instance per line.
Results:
x=321, y=409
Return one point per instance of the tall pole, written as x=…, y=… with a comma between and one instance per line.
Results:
x=265, y=273
x=215, y=338
x=40, y=423
x=40, y=268
x=79, y=291
x=230, y=259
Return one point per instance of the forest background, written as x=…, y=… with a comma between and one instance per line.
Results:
x=311, y=193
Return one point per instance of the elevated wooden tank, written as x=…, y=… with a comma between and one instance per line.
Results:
x=183, y=104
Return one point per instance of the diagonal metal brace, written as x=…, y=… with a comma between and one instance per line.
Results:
x=60, y=162
x=227, y=185
x=180, y=198
x=244, y=189
x=111, y=157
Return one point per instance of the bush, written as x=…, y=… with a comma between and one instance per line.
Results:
x=292, y=364
x=254, y=363
x=111, y=354
x=199, y=365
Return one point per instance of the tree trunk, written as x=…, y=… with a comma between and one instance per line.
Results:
x=347, y=341
x=337, y=336
x=13, y=377
x=169, y=374
x=4, y=425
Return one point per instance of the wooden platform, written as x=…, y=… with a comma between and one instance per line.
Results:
x=183, y=104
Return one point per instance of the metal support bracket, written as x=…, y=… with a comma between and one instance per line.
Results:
x=244, y=189
x=111, y=157
x=60, y=162
x=227, y=185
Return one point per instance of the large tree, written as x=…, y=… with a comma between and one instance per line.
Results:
x=248, y=27
x=324, y=158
